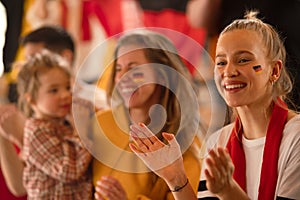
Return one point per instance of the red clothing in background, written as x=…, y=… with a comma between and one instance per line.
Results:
x=5, y=194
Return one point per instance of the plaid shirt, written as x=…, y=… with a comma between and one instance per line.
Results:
x=57, y=165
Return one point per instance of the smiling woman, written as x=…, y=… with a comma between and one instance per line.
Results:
x=256, y=157
x=150, y=84
x=237, y=81
x=131, y=88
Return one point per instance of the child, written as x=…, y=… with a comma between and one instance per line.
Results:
x=56, y=162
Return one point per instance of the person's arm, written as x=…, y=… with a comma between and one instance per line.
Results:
x=204, y=14
x=74, y=15
x=219, y=176
x=44, y=12
x=165, y=160
x=179, y=182
x=12, y=167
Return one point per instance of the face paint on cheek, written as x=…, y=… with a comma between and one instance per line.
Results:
x=138, y=77
x=257, y=69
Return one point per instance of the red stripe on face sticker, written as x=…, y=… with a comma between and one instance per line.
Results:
x=138, y=77
x=257, y=69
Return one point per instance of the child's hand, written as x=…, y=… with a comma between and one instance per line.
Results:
x=81, y=119
x=82, y=110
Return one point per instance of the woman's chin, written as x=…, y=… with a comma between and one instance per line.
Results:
x=233, y=103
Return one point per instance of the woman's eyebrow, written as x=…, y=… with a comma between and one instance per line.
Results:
x=220, y=55
x=243, y=52
x=236, y=53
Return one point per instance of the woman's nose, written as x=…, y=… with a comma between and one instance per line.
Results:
x=230, y=70
x=123, y=76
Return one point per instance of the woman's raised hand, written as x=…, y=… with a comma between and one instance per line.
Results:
x=219, y=171
x=164, y=159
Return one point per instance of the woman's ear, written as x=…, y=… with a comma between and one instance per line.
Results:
x=276, y=70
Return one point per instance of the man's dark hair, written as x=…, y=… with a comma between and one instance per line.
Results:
x=55, y=38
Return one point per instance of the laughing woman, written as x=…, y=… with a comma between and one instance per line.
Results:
x=257, y=156
x=145, y=87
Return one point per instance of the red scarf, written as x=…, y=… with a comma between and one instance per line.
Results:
x=268, y=177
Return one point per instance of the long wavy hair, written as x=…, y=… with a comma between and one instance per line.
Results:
x=160, y=50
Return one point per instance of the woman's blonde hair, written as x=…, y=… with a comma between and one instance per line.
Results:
x=28, y=82
x=274, y=48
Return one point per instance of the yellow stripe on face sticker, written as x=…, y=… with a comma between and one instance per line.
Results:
x=257, y=69
x=138, y=77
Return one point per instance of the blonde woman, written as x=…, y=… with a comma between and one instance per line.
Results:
x=257, y=156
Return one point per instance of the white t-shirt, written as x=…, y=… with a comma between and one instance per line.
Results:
x=253, y=150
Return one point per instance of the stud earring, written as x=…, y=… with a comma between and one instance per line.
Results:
x=273, y=79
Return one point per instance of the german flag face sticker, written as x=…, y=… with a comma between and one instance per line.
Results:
x=257, y=69
x=138, y=77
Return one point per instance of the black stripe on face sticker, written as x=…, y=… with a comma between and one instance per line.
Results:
x=257, y=69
